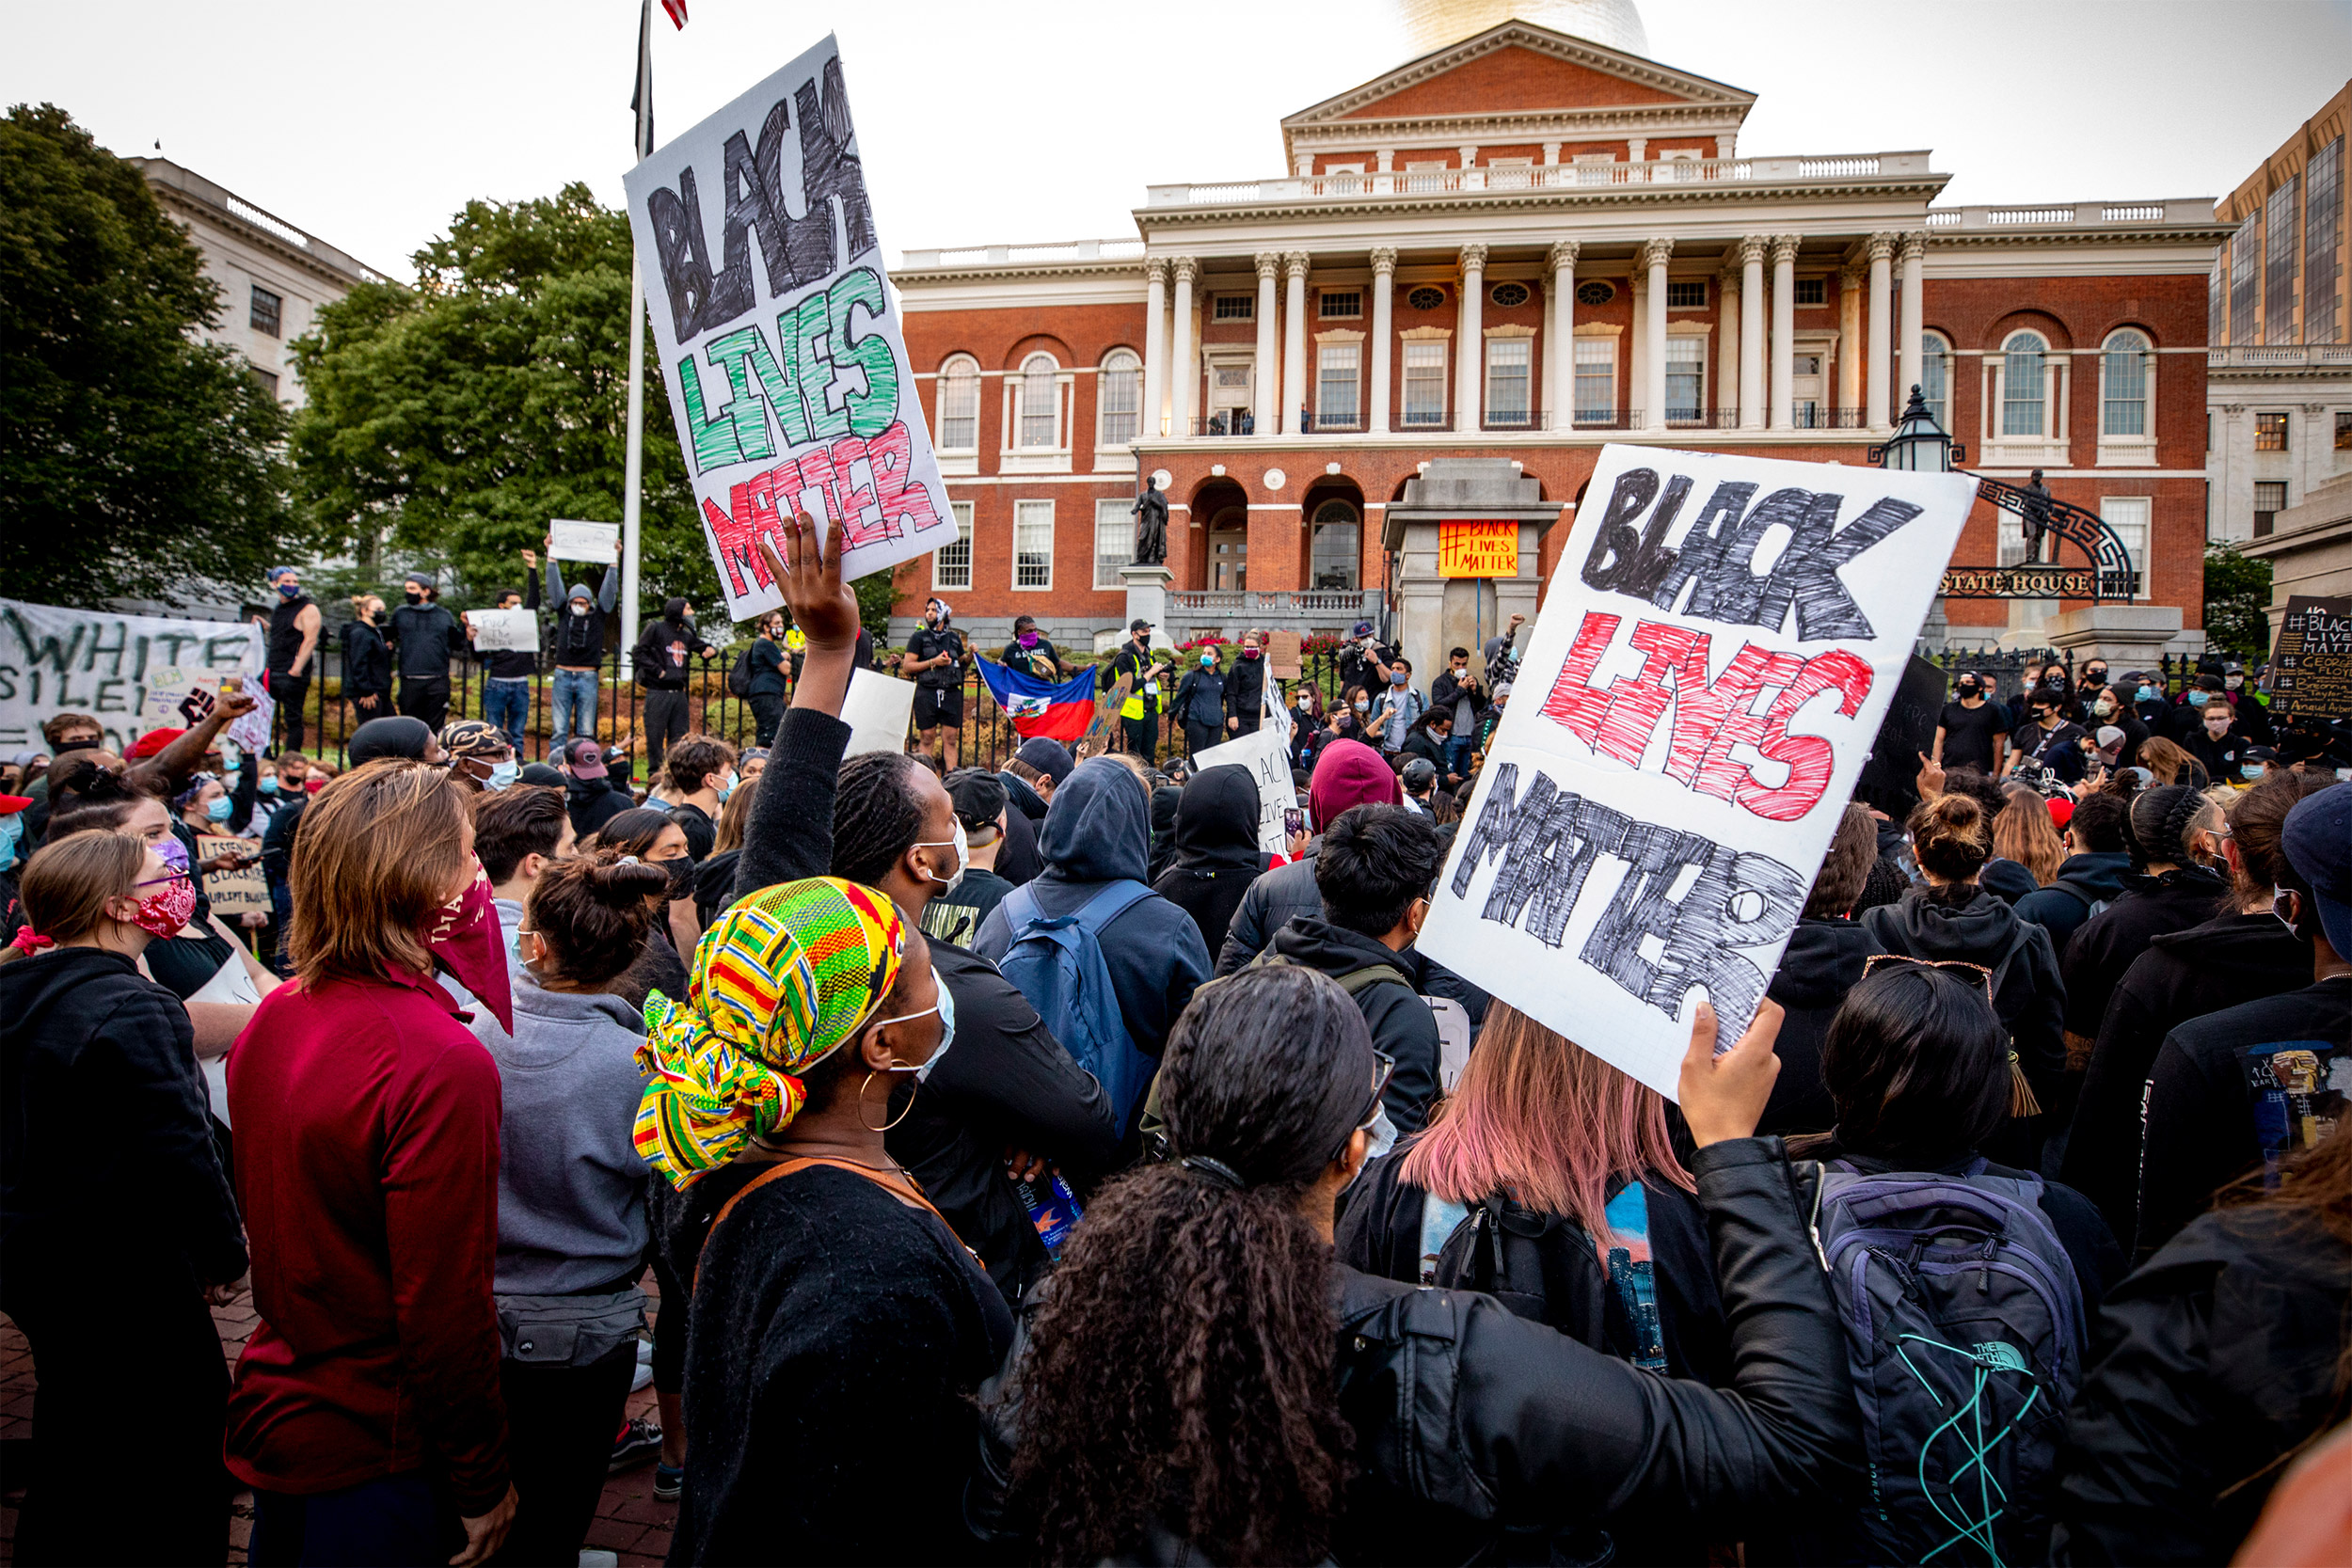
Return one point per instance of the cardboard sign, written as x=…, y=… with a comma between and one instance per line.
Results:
x=877, y=710
x=1478, y=549
x=1283, y=654
x=244, y=891
x=2311, y=673
x=497, y=631
x=1267, y=753
x=576, y=541
x=128, y=671
x=778, y=335
x=1717, y=649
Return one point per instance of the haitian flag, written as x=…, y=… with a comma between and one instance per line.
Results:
x=1061, y=712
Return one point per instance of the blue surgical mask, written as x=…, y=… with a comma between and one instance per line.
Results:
x=216, y=809
x=1207, y=660
x=2147, y=693
x=268, y=784
x=2251, y=771
x=945, y=1008
x=1396, y=677
x=726, y=787
x=504, y=773
x=2199, y=699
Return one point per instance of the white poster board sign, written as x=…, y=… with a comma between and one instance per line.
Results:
x=497, y=631
x=1717, y=647
x=778, y=335
x=1267, y=754
x=130, y=672
x=878, y=709
x=569, y=540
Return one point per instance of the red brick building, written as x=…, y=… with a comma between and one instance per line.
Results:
x=1526, y=245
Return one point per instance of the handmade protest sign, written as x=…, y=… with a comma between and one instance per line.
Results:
x=499, y=630
x=130, y=672
x=1266, y=752
x=779, y=339
x=877, y=709
x=2311, y=664
x=569, y=540
x=1718, y=645
x=1480, y=548
x=243, y=891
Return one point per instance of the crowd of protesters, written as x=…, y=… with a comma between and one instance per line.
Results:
x=1031, y=1165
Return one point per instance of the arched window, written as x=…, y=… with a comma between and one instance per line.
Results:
x=960, y=405
x=2123, y=386
x=1338, y=555
x=1040, y=402
x=1935, y=378
x=1118, y=399
x=2023, y=390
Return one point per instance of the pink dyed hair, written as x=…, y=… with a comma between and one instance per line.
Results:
x=1538, y=1117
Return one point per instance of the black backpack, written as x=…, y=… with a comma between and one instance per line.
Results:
x=740, y=674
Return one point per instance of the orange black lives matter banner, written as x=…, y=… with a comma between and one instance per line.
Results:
x=1483, y=548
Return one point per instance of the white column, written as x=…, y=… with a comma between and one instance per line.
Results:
x=1881, y=366
x=1294, y=339
x=1154, y=420
x=1914, y=327
x=1850, y=278
x=1560, y=337
x=1383, y=302
x=1752, y=409
x=1637, y=343
x=1470, y=349
x=1654, y=255
x=1783, y=331
x=1181, y=362
x=1726, y=388
x=1265, y=395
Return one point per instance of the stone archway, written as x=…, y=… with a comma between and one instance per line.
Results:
x=1219, y=563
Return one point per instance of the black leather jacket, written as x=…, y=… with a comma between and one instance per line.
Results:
x=1484, y=1437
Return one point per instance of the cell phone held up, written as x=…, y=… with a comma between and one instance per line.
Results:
x=1293, y=823
x=1053, y=1209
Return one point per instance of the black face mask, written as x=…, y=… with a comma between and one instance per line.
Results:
x=65, y=746
x=414, y=598
x=681, y=872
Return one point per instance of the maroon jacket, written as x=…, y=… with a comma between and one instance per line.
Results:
x=367, y=1122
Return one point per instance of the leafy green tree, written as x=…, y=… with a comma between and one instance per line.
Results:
x=136, y=460
x=450, y=421
x=2237, y=592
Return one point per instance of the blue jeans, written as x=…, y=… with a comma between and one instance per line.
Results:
x=1458, y=755
x=574, y=697
x=507, y=704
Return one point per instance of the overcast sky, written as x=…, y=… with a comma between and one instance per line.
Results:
x=369, y=125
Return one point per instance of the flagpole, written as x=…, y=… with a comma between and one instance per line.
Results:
x=633, y=469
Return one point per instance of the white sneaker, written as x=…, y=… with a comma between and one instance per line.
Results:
x=596, y=1556
x=645, y=1368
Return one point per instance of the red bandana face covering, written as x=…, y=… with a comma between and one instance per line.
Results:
x=466, y=942
x=162, y=913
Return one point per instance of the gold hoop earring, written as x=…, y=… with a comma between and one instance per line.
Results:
x=892, y=1122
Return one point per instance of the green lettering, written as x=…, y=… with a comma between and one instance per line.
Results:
x=776, y=382
x=732, y=354
x=812, y=324
x=715, y=443
x=872, y=411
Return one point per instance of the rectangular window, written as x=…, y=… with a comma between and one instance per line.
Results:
x=266, y=380
x=959, y=411
x=2343, y=430
x=1120, y=390
x=1424, y=382
x=951, y=563
x=2270, y=432
x=2280, y=233
x=2245, y=279
x=1336, y=403
x=1686, y=294
x=1340, y=305
x=2023, y=389
x=2270, y=499
x=1812, y=290
x=1686, y=379
x=2126, y=392
x=2323, y=219
x=2128, y=516
x=1033, y=544
x=1595, y=380
x=1236, y=308
x=1113, y=540
x=1507, y=363
x=266, y=309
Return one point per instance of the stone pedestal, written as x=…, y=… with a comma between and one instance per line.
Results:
x=1147, y=599
x=2127, y=636
x=1439, y=614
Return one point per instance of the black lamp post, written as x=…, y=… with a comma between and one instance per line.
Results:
x=1918, y=443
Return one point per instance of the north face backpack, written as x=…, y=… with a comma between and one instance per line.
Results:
x=1965, y=1339
x=1056, y=962
x=740, y=674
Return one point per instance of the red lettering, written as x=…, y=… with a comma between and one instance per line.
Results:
x=1635, y=705
x=904, y=505
x=1572, y=700
x=732, y=539
x=1810, y=758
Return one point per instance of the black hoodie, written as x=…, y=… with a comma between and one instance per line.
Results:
x=1217, y=855
x=1401, y=1023
x=664, y=648
x=2061, y=910
x=2183, y=976
x=592, y=802
x=1823, y=963
x=2104, y=946
x=1018, y=861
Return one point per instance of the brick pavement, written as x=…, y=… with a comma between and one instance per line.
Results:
x=629, y=1521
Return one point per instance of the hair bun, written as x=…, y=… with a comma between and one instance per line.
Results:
x=623, y=881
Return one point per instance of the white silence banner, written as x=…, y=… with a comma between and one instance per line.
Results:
x=1717, y=647
x=130, y=672
x=779, y=339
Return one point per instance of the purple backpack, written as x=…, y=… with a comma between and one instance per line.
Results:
x=1964, y=1338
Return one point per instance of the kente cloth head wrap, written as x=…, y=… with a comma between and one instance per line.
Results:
x=780, y=982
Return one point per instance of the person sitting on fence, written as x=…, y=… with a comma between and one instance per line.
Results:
x=577, y=646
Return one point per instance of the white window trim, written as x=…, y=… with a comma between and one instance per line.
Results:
x=1508, y=330
x=1018, y=586
x=1324, y=340
x=1601, y=332
x=958, y=460
x=2147, y=536
x=1445, y=380
x=1104, y=512
x=1013, y=458
x=2128, y=451
x=1699, y=333
x=1951, y=376
x=2047, y=450
x=963, y=513
x=1108, y=453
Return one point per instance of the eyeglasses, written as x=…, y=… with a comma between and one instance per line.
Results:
x=1955, y=966
x=1383, y=1069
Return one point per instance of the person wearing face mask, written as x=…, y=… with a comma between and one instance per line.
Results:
x=294, y=639
x=648, y=833
x=423, y=638
x=506, y=673
x=700, y=770
x=661, y=662
x=1459, y=692
x=2184, y=717
x=1030, y=650
x=367, y=662
x=478, y=757
x=12, y=862
x=1141, y=666
x=366, y=1401
x=1400, y=706
x=955, y=912
x=2111, y=708
x=130, y=1382
x=1307, y=716
x=1969, y=732
x=578, y=648
x=1202, y=704
x=1244, y=687
x=2216, y=742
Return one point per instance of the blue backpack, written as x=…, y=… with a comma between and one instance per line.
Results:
x=1964, y=1338
x=1056, y=962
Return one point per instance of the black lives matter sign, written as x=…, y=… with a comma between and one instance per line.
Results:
x=2311, y=665
x=1716, y=650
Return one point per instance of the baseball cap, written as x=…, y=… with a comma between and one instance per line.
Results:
x=153, y=742
x=2318, y=841
x=1049, y=757
x=1138, y=624
x=471, y=737
x=2110, y=735
x=585, y=758
x=979, y=797
x=540, y=773
x=1362, y=629
x=11, y=804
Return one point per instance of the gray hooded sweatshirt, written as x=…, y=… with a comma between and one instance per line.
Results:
x=571, y=1183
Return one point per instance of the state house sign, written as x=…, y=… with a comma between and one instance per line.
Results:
x=2020, y=582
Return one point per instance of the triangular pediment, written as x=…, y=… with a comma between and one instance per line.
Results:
x=1517, y=68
